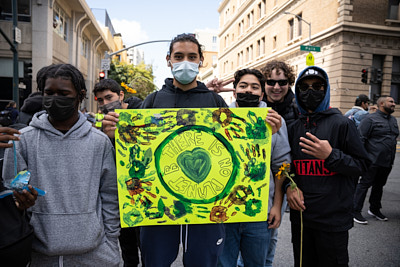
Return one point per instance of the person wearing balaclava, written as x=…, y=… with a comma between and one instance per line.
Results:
x=252, y=239
x=328, y=157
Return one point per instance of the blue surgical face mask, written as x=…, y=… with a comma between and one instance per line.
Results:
x=185, y=72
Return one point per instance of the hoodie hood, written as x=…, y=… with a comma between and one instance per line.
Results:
x=169, y=86
x=133, y=102
x=32, y=104
x=81, y=128
x=324, y=105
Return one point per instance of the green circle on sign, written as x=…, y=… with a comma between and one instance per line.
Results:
x=197, y=165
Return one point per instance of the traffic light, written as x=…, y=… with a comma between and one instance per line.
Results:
x=378, y=75
x=101, y=75
x=364, y=75
x=27, y=70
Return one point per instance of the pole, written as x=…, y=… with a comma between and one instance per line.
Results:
x=15, y=54
x=108, y=56
x=308, y=23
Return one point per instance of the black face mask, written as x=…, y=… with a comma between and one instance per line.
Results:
x=60, y=108
x=310, y=99
x=111, y=106
x=247, y=100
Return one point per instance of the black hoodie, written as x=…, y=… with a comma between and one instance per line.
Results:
x=171, y=96
x=328, y=185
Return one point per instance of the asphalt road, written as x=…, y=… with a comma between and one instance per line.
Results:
x=374, y=245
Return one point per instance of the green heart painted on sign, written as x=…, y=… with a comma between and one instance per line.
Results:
x=195, y=164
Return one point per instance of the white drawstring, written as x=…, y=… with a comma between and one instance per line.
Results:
x=186, y=237
x=180, y=238
x=61, y=261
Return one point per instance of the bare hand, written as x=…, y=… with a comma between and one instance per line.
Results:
x=321, y=149
x=274, y=119
x=109, y=124
x=218, y=85
x=274, y=217
x=295, y=199
x=7, y=134
x=25, y=199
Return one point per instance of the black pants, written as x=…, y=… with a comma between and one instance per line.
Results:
x=376, y=177
x=129, y=242
x=320, y=248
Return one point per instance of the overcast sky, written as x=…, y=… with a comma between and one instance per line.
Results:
x=141, y=21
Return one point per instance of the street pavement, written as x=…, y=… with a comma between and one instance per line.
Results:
x=374, y=245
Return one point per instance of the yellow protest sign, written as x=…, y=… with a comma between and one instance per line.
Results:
x=192, y=166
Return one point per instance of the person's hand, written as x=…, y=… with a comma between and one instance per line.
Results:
x=7, y=134
x=321, y=149
x=295, y=199
x=25, y=199
x=274, y=217
x=109, y=124
x=218, y=85
x=274, y=119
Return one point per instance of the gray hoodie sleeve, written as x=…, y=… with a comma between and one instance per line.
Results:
x=109, y=194
x=280, y=151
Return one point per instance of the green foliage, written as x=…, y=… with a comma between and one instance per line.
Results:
x=138, y=77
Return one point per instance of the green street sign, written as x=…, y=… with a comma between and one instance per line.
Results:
x=310, y=48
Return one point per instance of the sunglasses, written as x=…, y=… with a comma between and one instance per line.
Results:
x=280, y=82
x=314, y=86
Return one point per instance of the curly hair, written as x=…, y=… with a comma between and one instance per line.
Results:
x=279, y=65
x=240, y=73
x=66, y=72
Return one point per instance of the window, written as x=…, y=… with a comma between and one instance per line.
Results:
x=394, y=10
x=23, y=10
x=251, y=53
x=299, y=24
x=214, y=39
x=60, y=23
x=261, y=9
x=274, y=42
x=241, y=25
x=258, y=51
x=395, y=83
x=251, y=18
x=84, y=47
x=291, y=25
x=262, y=46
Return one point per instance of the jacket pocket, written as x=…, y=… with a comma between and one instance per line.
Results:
x=63, y=234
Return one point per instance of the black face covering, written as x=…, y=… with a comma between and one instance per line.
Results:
x=247, y=100
x=60, y=108
x=310, y=99
x=111, y=106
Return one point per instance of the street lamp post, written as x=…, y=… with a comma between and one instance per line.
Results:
x=108, y=56
x=308, y=23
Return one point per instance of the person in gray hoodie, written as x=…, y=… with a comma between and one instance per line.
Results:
x=77, y=222
x=252, y=239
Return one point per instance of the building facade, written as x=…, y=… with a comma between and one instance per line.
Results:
x=352, y=35
x=53, y=32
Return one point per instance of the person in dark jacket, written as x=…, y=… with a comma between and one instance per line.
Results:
x=110, y=96
x=12, y=107
x=378, y=133
x=278, y=93
x=328, y=157
x=203, y=243
x=31, y=105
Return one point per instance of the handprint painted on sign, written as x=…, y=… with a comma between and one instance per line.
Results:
x=191, y=166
